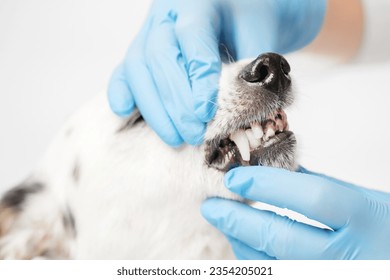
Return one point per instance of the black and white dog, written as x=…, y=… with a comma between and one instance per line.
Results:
x=109, y=188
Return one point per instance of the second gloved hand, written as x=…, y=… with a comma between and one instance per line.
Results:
x=359, y=217
x=171, y=70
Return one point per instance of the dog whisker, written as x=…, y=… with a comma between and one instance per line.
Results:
x=213, y=108
x=226, y=52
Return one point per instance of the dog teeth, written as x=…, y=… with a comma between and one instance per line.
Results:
x=253, y=141
x=281, y=121
x=269, y=133
x=280, y=125
x=259, y=133
x=257, y=130
x=241, y=140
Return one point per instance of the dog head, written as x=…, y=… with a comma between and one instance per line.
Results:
x=250, y=126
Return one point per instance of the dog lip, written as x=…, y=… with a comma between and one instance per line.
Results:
x=280, y=139
x=224, y=151
x=235, y=159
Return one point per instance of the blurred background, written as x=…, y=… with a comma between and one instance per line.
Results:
x=55, y=55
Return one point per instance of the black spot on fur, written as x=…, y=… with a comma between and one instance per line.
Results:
x=69, y=222
x=15, y=197
x=134, y=119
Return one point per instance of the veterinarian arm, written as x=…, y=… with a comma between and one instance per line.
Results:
x=342, y=31
x=171, y=70
x=359, y=217
x=354, y=30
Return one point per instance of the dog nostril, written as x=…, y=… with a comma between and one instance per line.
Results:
x=262, y=73
x=268, y=70
x=257, y=76
x=285, y=67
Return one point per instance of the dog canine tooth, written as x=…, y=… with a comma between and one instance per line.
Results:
x=253, y=141
x=257, y=130
x=241, y=140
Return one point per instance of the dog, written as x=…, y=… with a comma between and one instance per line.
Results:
x=109, y=188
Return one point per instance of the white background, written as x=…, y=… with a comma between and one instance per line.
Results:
x=55, y=55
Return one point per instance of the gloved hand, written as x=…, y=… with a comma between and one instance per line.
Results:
x=359, y=217
x=172, y=68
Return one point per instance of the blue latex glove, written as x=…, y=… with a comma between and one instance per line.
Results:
x=172, y=68
x=359, y=217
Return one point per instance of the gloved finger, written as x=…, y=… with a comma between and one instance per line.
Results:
x=145, y=92
x=170, y=76
x=244, y=252
x=197, y=34
x=315, y=197
x=301, y=169
x=119, y=96
x=240, y=31
x=377, y=194
x=265, y=231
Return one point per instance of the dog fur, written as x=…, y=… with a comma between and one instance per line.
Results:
x=109, y=188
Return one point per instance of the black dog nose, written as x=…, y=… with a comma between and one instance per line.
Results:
x=270, y=70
